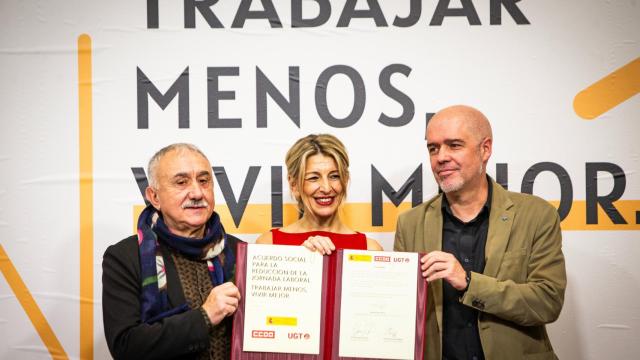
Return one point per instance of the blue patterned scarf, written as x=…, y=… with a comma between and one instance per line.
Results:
x=151, y=231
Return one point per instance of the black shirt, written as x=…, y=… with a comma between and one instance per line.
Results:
x=466, y=241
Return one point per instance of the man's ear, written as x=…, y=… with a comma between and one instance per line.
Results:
x=487, y=147
x=152, y=197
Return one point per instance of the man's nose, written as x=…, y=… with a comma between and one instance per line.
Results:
x=196, y=190
x=443, y=155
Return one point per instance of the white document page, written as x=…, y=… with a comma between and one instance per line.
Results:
x=378, y=310
x=282, y=299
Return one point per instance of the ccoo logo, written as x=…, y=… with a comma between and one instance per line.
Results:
x=263, y=334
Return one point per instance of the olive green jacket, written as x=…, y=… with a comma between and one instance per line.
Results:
x=522, y=286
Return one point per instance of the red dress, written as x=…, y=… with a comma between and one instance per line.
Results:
x=356, y=241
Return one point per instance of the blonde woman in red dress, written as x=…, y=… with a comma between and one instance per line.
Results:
x=318, y=175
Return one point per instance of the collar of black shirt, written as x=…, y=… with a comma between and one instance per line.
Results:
x=486, y=208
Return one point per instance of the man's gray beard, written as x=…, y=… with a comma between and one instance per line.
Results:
x=457, y=186
x=447, y=188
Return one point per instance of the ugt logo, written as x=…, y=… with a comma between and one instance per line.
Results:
x=299, y=336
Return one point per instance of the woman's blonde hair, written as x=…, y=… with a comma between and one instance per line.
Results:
x=314, y=144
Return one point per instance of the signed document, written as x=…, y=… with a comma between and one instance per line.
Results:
x=283, y=299
x=378, y=304
x=351, y=304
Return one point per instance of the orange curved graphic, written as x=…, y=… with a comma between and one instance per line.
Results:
x=608, y=92
x=30, y=307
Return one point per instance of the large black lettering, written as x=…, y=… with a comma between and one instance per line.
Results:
x=380, y=185
x=427, y=118
x=502, y=175
x=214, y=95
x=236, y=207
x=204, y=8
x=297, y=21
x=467, y=10
x=359, y=96
x=566, y=188
x=244, y=12
x=141, y=181
x=180, y=88
x=152, y=14
x=605, y=201
x=408, y=108
x=495, y=12
x=276, y=196
x=265, y=87
x=415, y=9
x=373, y=12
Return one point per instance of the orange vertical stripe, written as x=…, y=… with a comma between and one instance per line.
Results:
x=608, y=92
x=31, y=307
x=85, y=103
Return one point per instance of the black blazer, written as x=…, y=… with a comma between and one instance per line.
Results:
x=180, y=336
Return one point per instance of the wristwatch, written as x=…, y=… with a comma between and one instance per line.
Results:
x=468, y=278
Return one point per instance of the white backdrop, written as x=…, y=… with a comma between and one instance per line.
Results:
x=524, y=77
